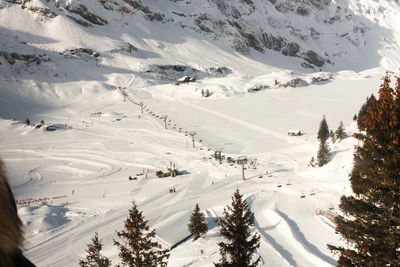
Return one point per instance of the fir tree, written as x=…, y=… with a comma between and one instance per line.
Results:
x=370, y=224
x=323, y=155
x=370, y=101
x=197, y=225
x=323, y=132
x=94, y=257
x=235, y=227
x=355, y=117
x=138, y=247
x=332, y=136
x=340, y=133
x=28, y=122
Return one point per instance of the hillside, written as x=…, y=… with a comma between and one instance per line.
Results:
x=269, y=66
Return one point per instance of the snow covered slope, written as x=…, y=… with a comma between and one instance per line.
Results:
x=269, y=66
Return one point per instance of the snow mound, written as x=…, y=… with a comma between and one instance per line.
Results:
x=44, y=218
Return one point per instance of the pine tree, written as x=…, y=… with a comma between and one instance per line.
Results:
x=355, y=117
x=323, y=132
x=197, y=225
x=370, y=224
x=28, y=122
x=94, y=257
x=323, y=155
x=138, y=247
x=340, y=133
x=332, y=136
x=235, y=227
x=370, y=101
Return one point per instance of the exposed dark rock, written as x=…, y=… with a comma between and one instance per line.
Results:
x=18, y=1
x=257, y=88
x=82, y=53
x=43, y=11
x=80, y=22
x=219, y=71
x=313, y=58
x=106, y=4
x=296, y=82
x=12, y=58
x=155, y=16
x=173, y=72
x=252, y=41
x=291, y=49
x=83, y=11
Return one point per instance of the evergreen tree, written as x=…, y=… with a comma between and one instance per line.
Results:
x=138, y=247
x=28, y=122
x=332, y=136
x=370, y=224
x=197, y=225
x=355, y=117
x=94, y=257
x=323, y=132
x=323, y=155
x=340, y=133
x=370, y=101
x=235, y=227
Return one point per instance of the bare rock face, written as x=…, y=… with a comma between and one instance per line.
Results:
x=83, y=11
x=293, y=28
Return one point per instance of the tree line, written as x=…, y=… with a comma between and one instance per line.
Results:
x=137, y=245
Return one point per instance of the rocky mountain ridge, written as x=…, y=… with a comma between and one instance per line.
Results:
x=319, y=33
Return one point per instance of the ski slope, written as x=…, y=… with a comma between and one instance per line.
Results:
x=81, y=170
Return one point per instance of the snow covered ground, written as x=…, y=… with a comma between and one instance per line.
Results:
x=81, y=170
x=101, y=143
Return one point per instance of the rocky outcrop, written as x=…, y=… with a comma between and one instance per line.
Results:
x=12, y=58
x=83, y=11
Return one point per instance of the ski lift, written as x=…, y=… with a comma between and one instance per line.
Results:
x=260, y=176
x=331, y=207
x=302, y=195
x=312, y=192
x=288, y=182
x=279, y=185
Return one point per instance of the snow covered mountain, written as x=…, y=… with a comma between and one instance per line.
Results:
x=83, y=66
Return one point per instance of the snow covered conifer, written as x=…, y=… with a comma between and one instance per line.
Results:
x=94, y=257
x=138, y=247
x=370, y=223
x=340, y=133
x=197, y=225
x=323, y=132
x=235, y=227
x=323, y=155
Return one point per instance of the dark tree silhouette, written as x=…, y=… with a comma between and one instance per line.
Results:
x=323, y=132
x=340, y=133
x=94, y=257
x=197, y=225
x=235, y=227
x=323, y=155
x=138, y=247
